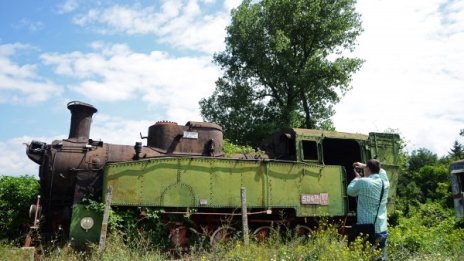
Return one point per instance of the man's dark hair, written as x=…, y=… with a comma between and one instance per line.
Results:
x=373, y=165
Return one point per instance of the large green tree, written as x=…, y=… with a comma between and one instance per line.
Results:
x=284, y=66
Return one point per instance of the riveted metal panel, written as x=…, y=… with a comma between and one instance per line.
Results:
x=393, y=173
x=384, y=147
x=194, y=174
x=127, y=181
x=284, y=180
x=187, y=182
x=80, y=236
x=328, y=180
x=229, y=175
x=254, y=180
x=215, y=182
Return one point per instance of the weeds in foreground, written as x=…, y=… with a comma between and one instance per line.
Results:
x=428, y=233
x=324, y=244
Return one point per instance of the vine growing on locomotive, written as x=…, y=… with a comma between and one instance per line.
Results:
x=303, y=174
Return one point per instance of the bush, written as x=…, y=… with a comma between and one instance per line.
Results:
x=140, y=228
x=16, y=195
x=430, y=231
x=231, y=149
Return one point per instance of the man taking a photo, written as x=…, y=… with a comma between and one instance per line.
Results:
x=371, y=208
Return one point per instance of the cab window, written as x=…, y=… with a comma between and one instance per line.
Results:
x=309, y=150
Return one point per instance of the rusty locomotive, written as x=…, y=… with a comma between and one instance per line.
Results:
x=303, y=174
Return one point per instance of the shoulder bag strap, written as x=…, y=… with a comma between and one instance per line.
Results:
x=380, y=203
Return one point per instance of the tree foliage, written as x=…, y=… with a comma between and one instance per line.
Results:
x=421, y=157
x=457, y=151
x=16, y=195
x=426, y=178
x=283, y=66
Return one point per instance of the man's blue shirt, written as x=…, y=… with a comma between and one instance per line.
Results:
x=368, y=192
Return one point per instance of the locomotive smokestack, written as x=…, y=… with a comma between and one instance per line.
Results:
x=81, y=119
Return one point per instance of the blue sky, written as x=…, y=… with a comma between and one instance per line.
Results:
x=139, y=62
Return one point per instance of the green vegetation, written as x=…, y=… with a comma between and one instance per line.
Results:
x=16, y=195
x=285, y=65
x=429, y=231
x=428, y=234
x=325, y=244
x=231, y=148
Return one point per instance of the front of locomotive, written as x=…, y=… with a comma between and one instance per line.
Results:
x=62, y=164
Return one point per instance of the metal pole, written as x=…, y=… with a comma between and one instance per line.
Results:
x=36, y=214
x=106, y=214
x=244, y=216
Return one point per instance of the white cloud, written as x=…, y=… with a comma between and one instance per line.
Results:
x=68, y=6
x=165, y=82
x=205, y=33
x=451, y=14
x=32, y=26
x=13, y=159
x=124, y=131
x=181, y=24
x=413, y=75
x=230, y=4
x=21, y=83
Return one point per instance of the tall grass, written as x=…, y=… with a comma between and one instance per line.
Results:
x=325, y=244
x=428, y=232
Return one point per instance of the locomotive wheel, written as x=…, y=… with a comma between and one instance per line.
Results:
x=264, y=232
x=179, y=236
x=221, y=235
x=303, y=231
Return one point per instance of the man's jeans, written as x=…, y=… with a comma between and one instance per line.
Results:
x=382, y=239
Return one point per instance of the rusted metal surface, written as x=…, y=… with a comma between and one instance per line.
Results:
x=195, y=138
x=178, y=235
x=184, y=213
x=33, y=211
x=81, y=120
x=72, y=168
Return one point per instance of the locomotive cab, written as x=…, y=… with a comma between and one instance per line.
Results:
x=336, y=149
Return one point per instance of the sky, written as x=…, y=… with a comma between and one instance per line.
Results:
x=139, y=62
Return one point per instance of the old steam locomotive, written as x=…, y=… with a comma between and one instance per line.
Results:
x=303, y=174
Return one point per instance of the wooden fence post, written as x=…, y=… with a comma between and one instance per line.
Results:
x=106, y=215
x=244, y=216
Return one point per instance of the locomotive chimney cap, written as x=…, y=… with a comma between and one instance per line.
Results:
x=73, y=104
x=81, y=119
